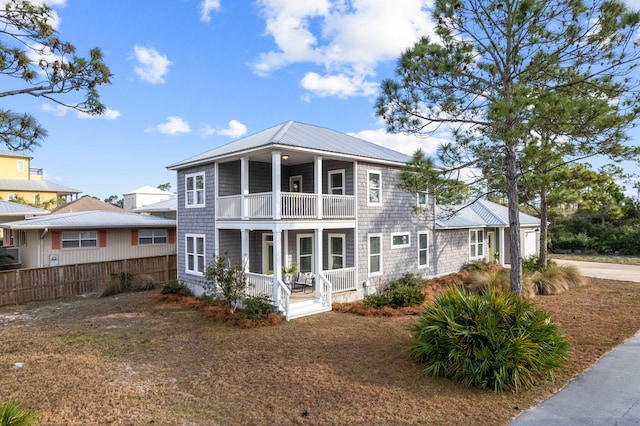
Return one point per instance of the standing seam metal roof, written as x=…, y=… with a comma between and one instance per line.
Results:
x=301, y=135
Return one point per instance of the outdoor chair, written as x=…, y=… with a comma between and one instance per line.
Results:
x=304, y=281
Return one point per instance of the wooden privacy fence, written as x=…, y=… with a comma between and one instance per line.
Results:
x=21, y=286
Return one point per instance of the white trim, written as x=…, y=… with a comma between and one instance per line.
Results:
x=379, y=188
x=369, y=237
x=420, y=249
x=195, y=190
x=330, y=188
x=405, y=244
x=344, y=250
x=426, y=199
x=265, y=257
x=477, y=244
x=196, y=255
x=298, y=237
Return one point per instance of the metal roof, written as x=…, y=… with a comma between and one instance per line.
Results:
x=13, y=154
x=8, y=208
x=149, y=190
x=91, y=219
x=161, y=206
x=300, y=135
x=35, y=186
x=481, y=213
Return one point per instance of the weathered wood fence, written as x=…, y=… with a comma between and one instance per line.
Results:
x=21, y=286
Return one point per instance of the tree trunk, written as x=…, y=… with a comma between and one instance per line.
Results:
x=544, y=220
x=514, y=221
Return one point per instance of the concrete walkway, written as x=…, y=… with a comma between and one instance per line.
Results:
x=609, y=392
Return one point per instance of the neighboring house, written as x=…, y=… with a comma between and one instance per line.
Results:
x=9, y=211
x=19, y=180
x=306, y=195
x=90, y=236
x=166, y=209
x=85, y=204
x=480, y=231
x=144, y=196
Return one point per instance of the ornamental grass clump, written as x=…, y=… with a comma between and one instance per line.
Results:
x=495, y=340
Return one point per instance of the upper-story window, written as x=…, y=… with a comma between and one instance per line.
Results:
x=20, y=165
x=194, y=190
x=374, y=188
x=422, y=199
x=80, y=239
x=476, y=243
x=336, y=182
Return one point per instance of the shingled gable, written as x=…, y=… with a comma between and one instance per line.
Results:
x=295, y=135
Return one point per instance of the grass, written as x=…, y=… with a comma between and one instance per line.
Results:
x=128, y=359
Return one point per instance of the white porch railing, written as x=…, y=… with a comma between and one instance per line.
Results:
x=298, y=205
x=293, y=205
x=262, y=285
x=341, y=279
x=325, y=290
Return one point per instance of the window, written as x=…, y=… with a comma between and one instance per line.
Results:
x=80, y=239
x=336, y=182
x=295, y=183
x=194, y=254
x=152, y=236
x=374, y=188
x=422, y=199
x=423, y=249
x=400, y=240
x=476, y=243
x=375, y=254
x=11, y=197
x=305, y=252
x=195, y=190
x=336, y=251
x=20, y=165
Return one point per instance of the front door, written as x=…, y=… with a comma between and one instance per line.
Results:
x=295, y=184
x=491, y=243
x=305, y=253
x=267, y=254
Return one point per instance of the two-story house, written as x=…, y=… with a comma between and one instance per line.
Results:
x=322, y=200
x=18, y=180
x=305, y=195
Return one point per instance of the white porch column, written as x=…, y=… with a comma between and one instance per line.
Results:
x=216, y=244
x=244, y=249
x=277, y=265
x=501, y=245
x=317, y=180
x=317, y=258
x=216, y=184
x=244, y=187
x=285, y=248
x=276, y=173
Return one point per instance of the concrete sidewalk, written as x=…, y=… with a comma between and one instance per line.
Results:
x=609, y=392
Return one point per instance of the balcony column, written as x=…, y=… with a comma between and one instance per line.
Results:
x=244, y=188
x=501, y=247
x=276, y=172
x=317, y=181
x=277, y=265
x=317, y=258
x=244, y=249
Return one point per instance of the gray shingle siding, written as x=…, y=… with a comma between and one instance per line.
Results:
x=451, y=250
x=195, y=220
x=393, y=216
x=229, y=175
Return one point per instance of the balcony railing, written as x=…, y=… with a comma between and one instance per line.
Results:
x=293, y=205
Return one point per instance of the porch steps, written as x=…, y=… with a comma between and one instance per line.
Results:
x=308, y=307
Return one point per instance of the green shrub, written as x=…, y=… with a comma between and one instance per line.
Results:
x=495, y=340
x=376, y=300
x=404, y=296
x=256, y=308
x=409, y=280
x=531, y=264
x=176, y=287
x=13, y=414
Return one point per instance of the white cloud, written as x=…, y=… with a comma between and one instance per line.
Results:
x=56, y=109
x=173, y=126
x=406, y=144
x=151, y=66
x=234, y=129
x=109, y=114
x=347, y=38
x=61, y=111
x=206, y=7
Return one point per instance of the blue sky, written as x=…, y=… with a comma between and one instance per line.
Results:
x=191, y=75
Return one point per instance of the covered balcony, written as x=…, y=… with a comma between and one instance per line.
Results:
x=292, y=186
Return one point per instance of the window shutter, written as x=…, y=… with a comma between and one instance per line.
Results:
x=172, y=236
x=55, y=240
x=134, y=237
x=102, y=238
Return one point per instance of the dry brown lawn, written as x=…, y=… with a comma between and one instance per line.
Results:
x=129, y=360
